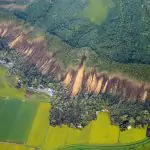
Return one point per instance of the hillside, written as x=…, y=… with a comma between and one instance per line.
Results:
x=116, y=30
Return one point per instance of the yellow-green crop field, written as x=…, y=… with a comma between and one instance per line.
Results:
x=11, y=146
x=40, y=126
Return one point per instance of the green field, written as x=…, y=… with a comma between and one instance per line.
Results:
x=23, y=122
x=16, y=119
x=7, y=118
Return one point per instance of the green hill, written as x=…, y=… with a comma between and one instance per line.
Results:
x=116, y=30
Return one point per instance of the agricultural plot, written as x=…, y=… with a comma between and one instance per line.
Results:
x=28, y=122
x=23, y=122
x=7, y=118
x=1, y=105
x=102, y=132
x=132, y=135
x=39, y=126
x=97, y=132
x=56, y=137
x=8, y=146
x=74, y=136
x=16, y=120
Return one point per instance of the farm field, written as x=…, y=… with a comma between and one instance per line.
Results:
x=23, y=122
x=27, y=122
x=8, y=146
x=102, y=131
x=40, y=126
x=9, y=112
x=16, y=119
x=134, y=134
x=97, y=132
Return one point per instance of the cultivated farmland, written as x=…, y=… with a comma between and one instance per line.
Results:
x=16, y=119
x=23, y=122
x=7, y=118
x=39, y=126
x=8, y=146
x=97, y=132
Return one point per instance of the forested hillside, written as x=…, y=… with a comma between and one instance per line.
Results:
x=117, y=30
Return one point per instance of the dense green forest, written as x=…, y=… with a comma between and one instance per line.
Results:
x=116, y=30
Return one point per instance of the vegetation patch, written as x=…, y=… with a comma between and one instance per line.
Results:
x=11, y=146
x=7, y=118
x=135, y=134
x=7, y=89
x=23, y=122
x=97, y=10
x=40, y=126
x=16, y=120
